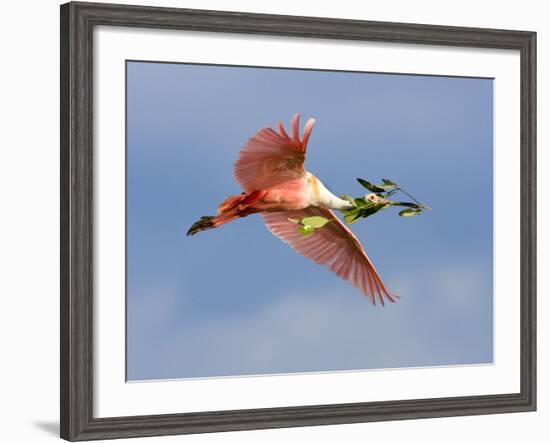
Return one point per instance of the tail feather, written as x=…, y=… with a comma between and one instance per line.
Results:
x=230, y=202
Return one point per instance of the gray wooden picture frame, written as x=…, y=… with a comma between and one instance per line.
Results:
x=77, y=23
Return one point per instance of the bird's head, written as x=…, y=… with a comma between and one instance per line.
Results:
x=376, y=199
x=347, y=205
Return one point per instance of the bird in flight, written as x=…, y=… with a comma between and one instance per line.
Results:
x=270, y=170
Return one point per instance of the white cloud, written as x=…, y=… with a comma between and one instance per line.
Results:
x=330, y=330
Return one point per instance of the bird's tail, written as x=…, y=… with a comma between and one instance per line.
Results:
x=235, y=206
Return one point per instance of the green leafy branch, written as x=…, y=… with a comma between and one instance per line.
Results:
x=380, y=199
x=363, y=207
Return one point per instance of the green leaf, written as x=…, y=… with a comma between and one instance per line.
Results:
x=351, y=214
x=352, y=218
x=315, y=221
x=360, y=202
x=368, y=211
x=370, y=186
x=389, y=183
x=306, y=230
x=409, y=212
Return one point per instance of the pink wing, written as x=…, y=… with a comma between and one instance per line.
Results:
x=334, y=246
x=270, y=158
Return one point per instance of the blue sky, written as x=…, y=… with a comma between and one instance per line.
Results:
x=238, y=301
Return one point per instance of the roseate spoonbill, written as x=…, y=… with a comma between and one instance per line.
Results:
x=270, y=170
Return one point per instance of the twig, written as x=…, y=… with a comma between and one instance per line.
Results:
x=406, y=193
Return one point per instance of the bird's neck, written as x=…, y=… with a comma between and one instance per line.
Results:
x=319, y=195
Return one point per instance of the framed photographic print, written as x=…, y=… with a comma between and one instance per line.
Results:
x=272, y=221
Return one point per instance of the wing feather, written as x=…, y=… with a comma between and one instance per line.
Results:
x=270, y=158
x=333, y=246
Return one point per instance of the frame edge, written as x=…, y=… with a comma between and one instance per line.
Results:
x=66, y=401
x=528, y=56
x=76, y=203
x=76, y=215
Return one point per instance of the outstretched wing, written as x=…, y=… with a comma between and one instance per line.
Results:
x=270, y=158
x=334, y=246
